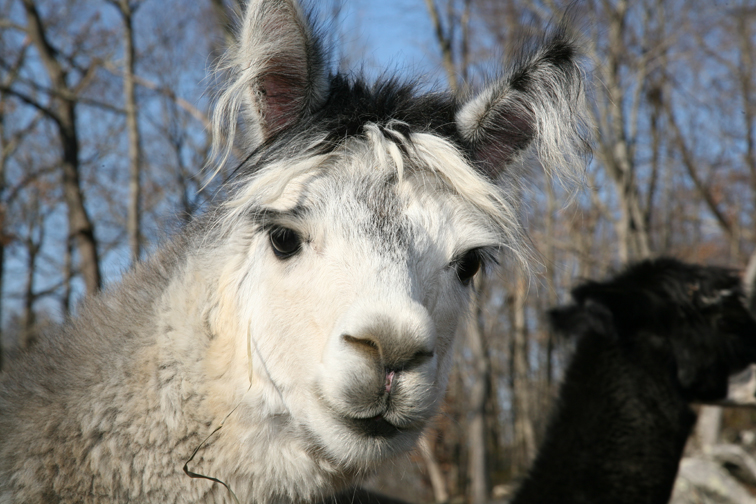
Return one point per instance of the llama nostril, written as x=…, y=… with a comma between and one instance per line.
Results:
x=366, y=345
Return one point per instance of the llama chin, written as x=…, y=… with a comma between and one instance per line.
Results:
x=300, y=332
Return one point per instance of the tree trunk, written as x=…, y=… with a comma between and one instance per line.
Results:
x=551, y=293
x=708, y=427
x=523, y=427
x=435, y=474
x=27, y=333
x=478, y=470
x=36, y=225
x=631, y=228
x=80, y=227
x=749, y=283
x=5, y=150
x=445, y=44
x=135, y=187
x=68, y=275
x=746, y=70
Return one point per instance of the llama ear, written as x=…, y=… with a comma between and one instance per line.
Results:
x=626, y=309
x=581, y=320
x=539, y=101
x=280, y=67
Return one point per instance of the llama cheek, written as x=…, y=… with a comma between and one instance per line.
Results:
x=446, y=339
x=344, y=376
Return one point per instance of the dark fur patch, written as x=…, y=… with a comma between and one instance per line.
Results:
x=651, y=339
x=699, y=311
x=351, y=105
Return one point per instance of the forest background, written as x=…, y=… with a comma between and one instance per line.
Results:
x=104, y=133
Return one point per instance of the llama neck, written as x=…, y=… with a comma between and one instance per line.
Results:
x=635, y=432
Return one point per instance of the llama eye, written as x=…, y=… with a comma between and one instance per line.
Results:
x=285, y=242
x=466, y=266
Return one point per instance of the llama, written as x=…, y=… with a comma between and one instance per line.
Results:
x=652, y=339
x=298, y=333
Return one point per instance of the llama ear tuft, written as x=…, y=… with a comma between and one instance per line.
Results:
x=278, y=71
x=538, y=102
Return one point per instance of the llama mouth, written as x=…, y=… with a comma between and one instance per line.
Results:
x=377, y=427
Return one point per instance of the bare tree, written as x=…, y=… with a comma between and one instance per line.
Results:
x=32, y=241
x=617, y=130
x=62, y=111
x=127, y=10
x=452, y=35
x=478, y=467
x=524, y=442
x=435, y=474
x=8, y=144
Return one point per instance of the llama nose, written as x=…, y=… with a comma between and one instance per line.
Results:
x=393, y=354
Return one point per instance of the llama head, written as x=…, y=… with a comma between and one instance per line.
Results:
x=356, y=225
x=696, y=313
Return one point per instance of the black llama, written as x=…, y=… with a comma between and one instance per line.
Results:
x=652, y=339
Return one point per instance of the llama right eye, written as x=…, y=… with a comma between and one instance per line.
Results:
x=285, y=242
x=466, y=266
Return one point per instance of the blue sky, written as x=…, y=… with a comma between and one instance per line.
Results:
x=396, y=34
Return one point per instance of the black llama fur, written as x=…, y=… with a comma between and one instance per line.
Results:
x=652, y=339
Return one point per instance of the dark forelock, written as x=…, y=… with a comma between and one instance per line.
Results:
x=353, y=104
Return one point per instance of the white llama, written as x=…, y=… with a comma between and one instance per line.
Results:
x=312, y=312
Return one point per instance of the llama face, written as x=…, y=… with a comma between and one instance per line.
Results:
x=696, y=313
x=358, y=221
x=362, y=277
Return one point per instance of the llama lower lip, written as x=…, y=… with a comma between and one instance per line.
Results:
x=376, y=426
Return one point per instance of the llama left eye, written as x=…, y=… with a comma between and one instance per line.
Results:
x=466, y=266
x=285, y=242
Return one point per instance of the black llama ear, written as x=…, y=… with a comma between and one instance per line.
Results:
x=624, y=310
x=581, y=320
x=539, y=102
x=280, y=67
